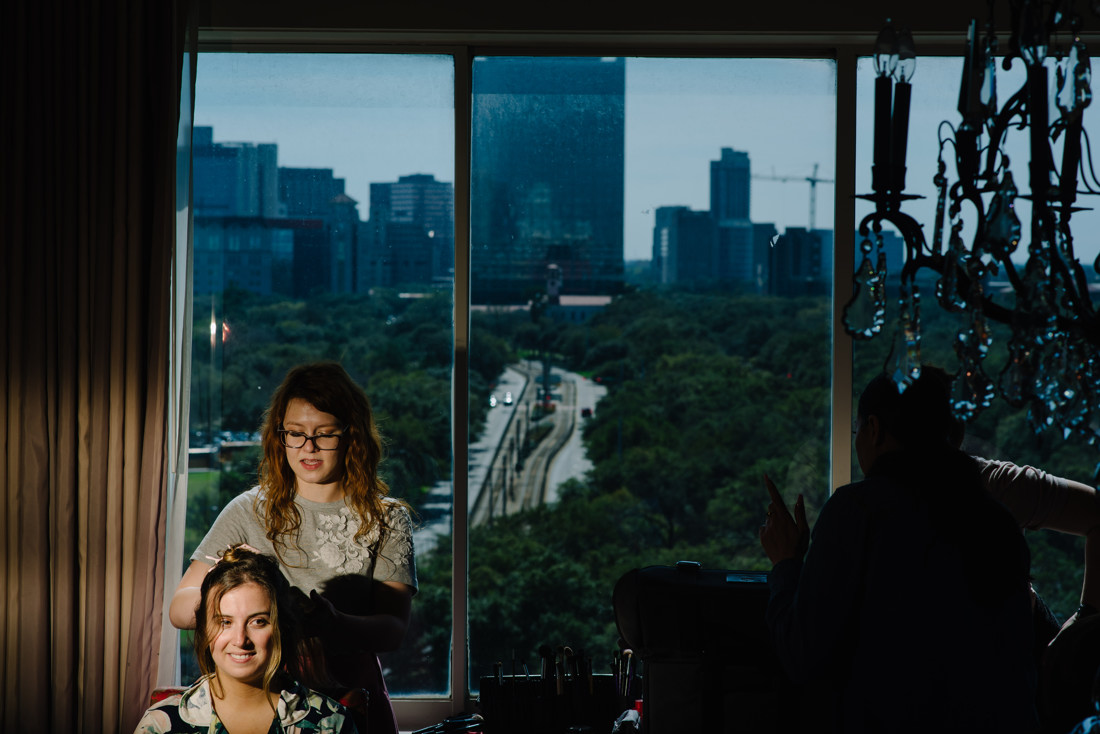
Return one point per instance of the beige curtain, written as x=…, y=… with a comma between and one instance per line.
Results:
x=87, y=211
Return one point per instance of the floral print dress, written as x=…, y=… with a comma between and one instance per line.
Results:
x=299, y=711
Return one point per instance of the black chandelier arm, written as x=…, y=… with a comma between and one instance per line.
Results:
x=910, y=229
x=999, y=124
x=1076, y=285
x=1081, y=293
x=1088, y=169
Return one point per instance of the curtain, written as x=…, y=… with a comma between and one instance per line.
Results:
x=87, y=211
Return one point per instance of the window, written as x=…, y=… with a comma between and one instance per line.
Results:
x=644, y=251
x=999, y=432
x=656, y=194
x=298, y=155
x=645, y=265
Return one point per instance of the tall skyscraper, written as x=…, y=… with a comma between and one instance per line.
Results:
x=409, y=237
x=236, y=200
x=764, y=235
x=730, y=182
x=325, y=246
x=684, y=245
x=547, y=176
x=796, y=264
x=268, y=229
x=234, y=179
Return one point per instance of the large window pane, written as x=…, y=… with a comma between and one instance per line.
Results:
x=651, y=251
x=999, y=432
x=324, y=229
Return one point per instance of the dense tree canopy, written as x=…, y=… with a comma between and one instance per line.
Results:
x=708, y=391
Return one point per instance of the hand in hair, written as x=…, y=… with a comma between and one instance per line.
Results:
x=241, y=546
x=321, y=619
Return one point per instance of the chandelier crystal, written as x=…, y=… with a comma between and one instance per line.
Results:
x=1053, y=365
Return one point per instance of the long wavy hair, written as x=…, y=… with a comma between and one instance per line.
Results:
x=239, y=566
x=328, y=388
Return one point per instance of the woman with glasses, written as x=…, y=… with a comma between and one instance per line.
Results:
x=341, y=540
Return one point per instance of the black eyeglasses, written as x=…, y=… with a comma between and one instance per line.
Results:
x=322, y=441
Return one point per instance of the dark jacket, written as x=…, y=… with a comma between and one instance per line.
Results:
x=912, y=606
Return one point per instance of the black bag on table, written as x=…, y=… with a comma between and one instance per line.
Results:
x=709, y=662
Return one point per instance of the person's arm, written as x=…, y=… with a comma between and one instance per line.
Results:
x=1080, y=515
x=811, y=601
x=1040, y=500
x=185, y=600
x=382, y=631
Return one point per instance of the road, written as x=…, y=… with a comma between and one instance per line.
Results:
x=515, y=482
x=496, y=486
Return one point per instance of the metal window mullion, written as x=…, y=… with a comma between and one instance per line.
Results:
x=843, y=266
x=460, y=687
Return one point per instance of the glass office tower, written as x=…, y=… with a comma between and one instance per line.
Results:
x=547, y=176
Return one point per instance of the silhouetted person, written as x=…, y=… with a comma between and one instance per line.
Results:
x=912, y=605
x=1039, y=500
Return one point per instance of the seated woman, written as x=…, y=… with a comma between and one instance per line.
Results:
x=246, y=641
x=912, y=604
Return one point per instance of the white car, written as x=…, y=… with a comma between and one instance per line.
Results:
x=507, y=398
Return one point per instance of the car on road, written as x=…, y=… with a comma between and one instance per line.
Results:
x=507, y=398
x=586, y=412
x=492, y=401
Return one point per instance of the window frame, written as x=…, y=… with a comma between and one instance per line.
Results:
x=422, y=710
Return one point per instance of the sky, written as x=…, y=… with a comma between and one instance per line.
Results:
x=373, y=118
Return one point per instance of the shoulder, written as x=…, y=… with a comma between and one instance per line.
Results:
x=396, y=514
x=862, y=493
x=997, y=475
x=161, y=717
x=870, y=496
x=308, y=709
x=183, y=712
x=242, y=503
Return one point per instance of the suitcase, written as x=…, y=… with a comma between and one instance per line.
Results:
x=708, y=660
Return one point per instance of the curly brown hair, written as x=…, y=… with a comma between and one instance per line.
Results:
x=328, y=388
x=236, y=567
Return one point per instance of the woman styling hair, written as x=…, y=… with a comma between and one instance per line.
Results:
x=324, y=512
x=911, y=611
x=246, y=641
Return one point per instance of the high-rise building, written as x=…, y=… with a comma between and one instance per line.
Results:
x=307, y=192
x=764, y=236
x=268, y=229
x=238, y=242
x=547, y=176
x=409, y=238
x=684, y=245
x=234, y=179
x=324, y=258
x=730, y=182
x=796, y=264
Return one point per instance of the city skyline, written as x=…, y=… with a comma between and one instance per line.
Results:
x=377, y=118
x=411, y=97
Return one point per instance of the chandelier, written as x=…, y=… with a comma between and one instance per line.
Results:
x=1053, y=353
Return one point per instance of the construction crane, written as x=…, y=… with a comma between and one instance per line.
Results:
x=812, y=179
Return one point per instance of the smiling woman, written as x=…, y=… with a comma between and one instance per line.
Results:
x=246, y=642
x=322, y=510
